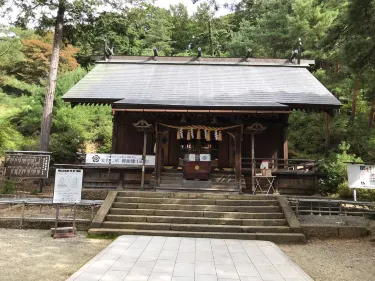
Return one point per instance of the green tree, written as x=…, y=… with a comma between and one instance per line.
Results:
x=63, y=9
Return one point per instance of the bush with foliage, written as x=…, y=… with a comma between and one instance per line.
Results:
x=334, y=169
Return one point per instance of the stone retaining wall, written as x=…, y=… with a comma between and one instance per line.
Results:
x=334, y=231
x=41, y=224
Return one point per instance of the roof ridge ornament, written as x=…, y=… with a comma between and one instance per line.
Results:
x=297, y=52
x=108, y=51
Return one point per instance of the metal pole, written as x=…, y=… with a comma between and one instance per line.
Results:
x=355, y=194
x=57, y=218
x=144, y=159
x=74, y=219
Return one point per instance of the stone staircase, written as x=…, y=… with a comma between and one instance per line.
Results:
x=221, y=182
x=196, y=215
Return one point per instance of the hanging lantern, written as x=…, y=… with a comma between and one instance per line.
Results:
x=220, y=137
x=198, y=134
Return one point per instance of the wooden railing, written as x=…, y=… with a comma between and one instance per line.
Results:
x=281, y=164
x=311, y=206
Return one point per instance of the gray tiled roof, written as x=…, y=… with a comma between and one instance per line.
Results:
x=201, y=86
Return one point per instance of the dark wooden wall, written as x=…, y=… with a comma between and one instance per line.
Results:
x=127, y=140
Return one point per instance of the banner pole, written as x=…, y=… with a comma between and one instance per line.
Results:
x=355, y=194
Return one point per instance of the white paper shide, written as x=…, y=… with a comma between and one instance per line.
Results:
x=68, y=186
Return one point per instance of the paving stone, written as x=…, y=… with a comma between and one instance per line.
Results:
x=205, y=268
x=168, y=255
x=184, y=269
x=245, y=269
x=154, y=258
x=226, y=271
x=204, y=256
x=89, y=276
x=160, y=276
x=114, y=275
x=206, y=278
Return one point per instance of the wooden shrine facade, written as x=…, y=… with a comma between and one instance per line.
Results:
x=232, y=112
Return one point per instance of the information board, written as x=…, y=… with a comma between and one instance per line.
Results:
x=119, y=159
x=361, y=176
x=27, y=166
x=68, y=186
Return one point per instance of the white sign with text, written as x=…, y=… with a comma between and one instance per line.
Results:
x=119, y=159
x=68, y=186
x=361, y=176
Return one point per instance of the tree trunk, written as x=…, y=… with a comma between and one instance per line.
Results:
x=355, y=98
x=46, y=124
x=210, y=38
x=372, y=111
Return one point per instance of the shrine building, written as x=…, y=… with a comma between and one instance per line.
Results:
x=212, y=124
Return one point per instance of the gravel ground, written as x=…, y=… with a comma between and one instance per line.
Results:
x=334, y=220
x=30, y=255
x=33, y=255
x=335, y=260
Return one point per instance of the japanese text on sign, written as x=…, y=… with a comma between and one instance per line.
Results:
x=119, y=159
x=27, y=166
x=361, y=176
x=68, y=186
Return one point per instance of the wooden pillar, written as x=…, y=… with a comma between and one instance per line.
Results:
x=144, y=159
x=328, y=132
x=253, y=162
x=114, y=131
x=238, y=160
x=285, y=147
x=158, y=158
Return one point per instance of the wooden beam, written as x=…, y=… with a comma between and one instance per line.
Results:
x=201, y=111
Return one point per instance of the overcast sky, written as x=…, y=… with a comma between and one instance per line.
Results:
x=192, y=7
x=161, y=3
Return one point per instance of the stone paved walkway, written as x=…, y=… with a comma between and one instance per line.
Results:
x=141, y=258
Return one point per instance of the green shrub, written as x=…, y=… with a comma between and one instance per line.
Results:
x=334, y=169
x=9, y=187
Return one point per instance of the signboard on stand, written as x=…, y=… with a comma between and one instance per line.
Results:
x=68, y=186
x=68, y=189
x=361, y=176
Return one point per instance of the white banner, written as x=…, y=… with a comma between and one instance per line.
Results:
x=68, y=186
x=361, y=176
x=205, y=157
x=119, y=159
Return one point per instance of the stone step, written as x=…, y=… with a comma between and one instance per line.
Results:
x=216, y=189
x=273, y=237
x=196, y=220
x=214, y=208
x=227, y=202
x=195, y=227
x=207, y=214
x=192, y=195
